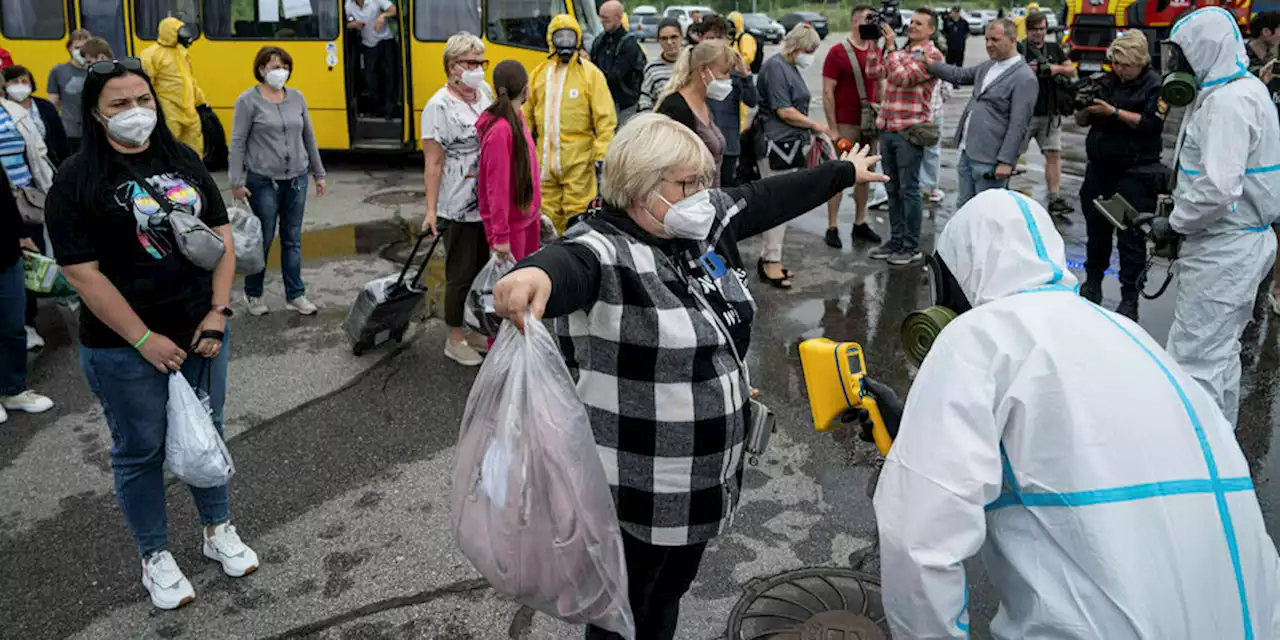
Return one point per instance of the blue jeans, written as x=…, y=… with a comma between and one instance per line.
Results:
x=282, y=202
x=901, y=161
x=13, y=337
x=133, y=397
x=931, y=168
x=971, y=181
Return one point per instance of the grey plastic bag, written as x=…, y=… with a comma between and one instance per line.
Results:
x=193, y=450
x=478, y=313
x=246, y=234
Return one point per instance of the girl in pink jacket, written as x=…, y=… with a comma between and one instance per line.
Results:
x=510, y=191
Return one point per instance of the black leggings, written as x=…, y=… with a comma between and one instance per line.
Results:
x=657, y=577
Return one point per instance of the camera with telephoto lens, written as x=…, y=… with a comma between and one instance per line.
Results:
x=1095, y=87
x=872, y=28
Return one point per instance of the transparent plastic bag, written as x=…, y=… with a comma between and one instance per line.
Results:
x=246, y=234
x=478, y=314
x=547, y=231
x=531, y=504
x=193, y=450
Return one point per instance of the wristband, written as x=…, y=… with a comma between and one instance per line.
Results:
x=1115, y=111
x=143, y=339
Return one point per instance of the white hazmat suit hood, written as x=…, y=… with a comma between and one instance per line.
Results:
x=1103, y=486
x=1228, y=171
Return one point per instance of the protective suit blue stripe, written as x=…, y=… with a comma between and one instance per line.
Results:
x=1267, y=169
x=1177, y=25
x=1035, y=237
x=1238, y=74
x=1190, y=172
x=1129, y=493
x=1224, y=512
x=1258, y=229
x=961, y=625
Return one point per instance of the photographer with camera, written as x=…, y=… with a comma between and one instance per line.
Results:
x=1123, y=150
x=1049, y=62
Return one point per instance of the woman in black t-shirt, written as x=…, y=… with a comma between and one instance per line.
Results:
x=146, y=306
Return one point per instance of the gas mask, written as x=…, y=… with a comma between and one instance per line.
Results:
x=947, y=301
x=565, y=43
x=1179, y=85
x=186, y=35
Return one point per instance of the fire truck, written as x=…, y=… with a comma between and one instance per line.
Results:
x=1091, y=25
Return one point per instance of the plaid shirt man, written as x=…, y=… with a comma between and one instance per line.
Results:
x=909, y=91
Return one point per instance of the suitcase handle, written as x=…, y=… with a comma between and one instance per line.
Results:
x=423, y=267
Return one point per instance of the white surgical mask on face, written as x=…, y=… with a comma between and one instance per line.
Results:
x=18, y=92
x=718, y=89
x=77, y=56
x=277, y=77
x=803, y=60
x=690, y=218
x=473, y=78
x=132, y=127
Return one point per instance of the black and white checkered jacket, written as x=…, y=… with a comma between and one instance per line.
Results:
x=645, y=327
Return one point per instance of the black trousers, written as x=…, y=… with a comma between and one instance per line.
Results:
x=657, y=577
x=1104, y=182
x=466, y=250
x=729, y=172
x=381, y=78
x=955, y=56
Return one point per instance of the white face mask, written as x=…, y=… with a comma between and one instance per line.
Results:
x=803, y=60
x=719, y=89
x=18, y=92
x=690, y=218
x=132, y=127
x=277, y=77
x=473, y=78
x=77, y=57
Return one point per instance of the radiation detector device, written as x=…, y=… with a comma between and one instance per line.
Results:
x=833, y=376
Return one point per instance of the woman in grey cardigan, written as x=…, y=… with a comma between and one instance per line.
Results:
x=273, y=148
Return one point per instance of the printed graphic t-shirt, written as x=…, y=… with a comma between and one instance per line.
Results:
x=124, y=230
x=451, y=121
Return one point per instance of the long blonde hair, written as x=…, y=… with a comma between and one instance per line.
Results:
x=698, y=56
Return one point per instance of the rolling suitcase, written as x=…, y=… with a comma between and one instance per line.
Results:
x=385, y=306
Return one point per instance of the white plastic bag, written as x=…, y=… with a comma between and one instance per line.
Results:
x=531, y=504
x=478, y=313
x=193, y=450
x=246, y=234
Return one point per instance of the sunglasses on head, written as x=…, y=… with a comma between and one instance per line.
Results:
x=115, y=67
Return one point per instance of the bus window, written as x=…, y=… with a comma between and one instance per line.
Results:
x=32, y=20
x=241, y=20
x=587, y=15
x=105, y=18
x=147, y=15
x=521, y=23
x=436, y=21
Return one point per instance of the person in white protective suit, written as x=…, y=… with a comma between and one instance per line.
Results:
x=1228, y=172
x=1104, y=487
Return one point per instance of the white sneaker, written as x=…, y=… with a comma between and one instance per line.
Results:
x=236, y=557
x=877, y=198
x=28, y=401
x=478, y=342
x=4, y=415
x=163, y=579
x=257, y=306
x=34, y=339
x=937, y=195
x=462, y=353
x=302, y=305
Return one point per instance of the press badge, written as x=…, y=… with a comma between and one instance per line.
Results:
x=713, y=265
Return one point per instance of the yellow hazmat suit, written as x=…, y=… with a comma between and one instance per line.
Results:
x=571, y=112
x=169, y=66
x=746, y=46
x=1021, y=21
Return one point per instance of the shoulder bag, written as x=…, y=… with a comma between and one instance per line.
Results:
x=870, y=110
x=195, y=240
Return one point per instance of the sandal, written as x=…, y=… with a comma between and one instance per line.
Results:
x=787, y=274
x=781, y=283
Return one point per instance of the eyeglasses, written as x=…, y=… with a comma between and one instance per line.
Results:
x=473, y=64
x=115, y=67
x=690, y=186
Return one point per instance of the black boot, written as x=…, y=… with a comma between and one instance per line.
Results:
x=1091, y=290
x=1128, y=306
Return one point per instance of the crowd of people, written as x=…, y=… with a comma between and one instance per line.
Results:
x=653, y=171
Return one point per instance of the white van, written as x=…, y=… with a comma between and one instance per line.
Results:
x=681, y=12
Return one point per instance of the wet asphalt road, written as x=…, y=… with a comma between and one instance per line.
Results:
x=345, y=497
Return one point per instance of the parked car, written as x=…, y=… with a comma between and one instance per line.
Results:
x=818, y=21
x=681, y=12
x=763, y=28
x=977, y=23
x=645, y=27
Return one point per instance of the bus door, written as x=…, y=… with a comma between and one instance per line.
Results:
x=106, y=19
x=376, y=84
x=35, y=34
x=230, y=34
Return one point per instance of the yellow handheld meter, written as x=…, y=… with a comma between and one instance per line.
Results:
x=833, y=373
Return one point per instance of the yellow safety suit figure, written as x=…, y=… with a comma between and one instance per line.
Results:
x=169, y=66
x=746, y=46
x=572, y=116
x=1021, y=21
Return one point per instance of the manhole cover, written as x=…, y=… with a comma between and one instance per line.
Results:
x=821, y=603
x=397, y=197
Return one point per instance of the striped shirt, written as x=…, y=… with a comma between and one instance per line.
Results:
x=13, y=152
x=656, y=76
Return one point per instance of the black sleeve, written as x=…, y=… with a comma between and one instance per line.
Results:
x=676, y=108
x=575, y=276
x=1152, y=122
x=69, y=217
x=635, y=67
x=778, y=199
x=10, y=224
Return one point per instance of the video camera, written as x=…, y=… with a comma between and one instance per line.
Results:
x=872, y=29
x=1085, y=90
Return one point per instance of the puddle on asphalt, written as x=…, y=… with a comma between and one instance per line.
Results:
x=365, y=238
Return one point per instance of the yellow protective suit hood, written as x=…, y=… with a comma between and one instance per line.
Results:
x=746, y=46
x=563, y=21
x=167, y=35
x=169, y=67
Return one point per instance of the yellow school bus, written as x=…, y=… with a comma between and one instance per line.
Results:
x=326, y=55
